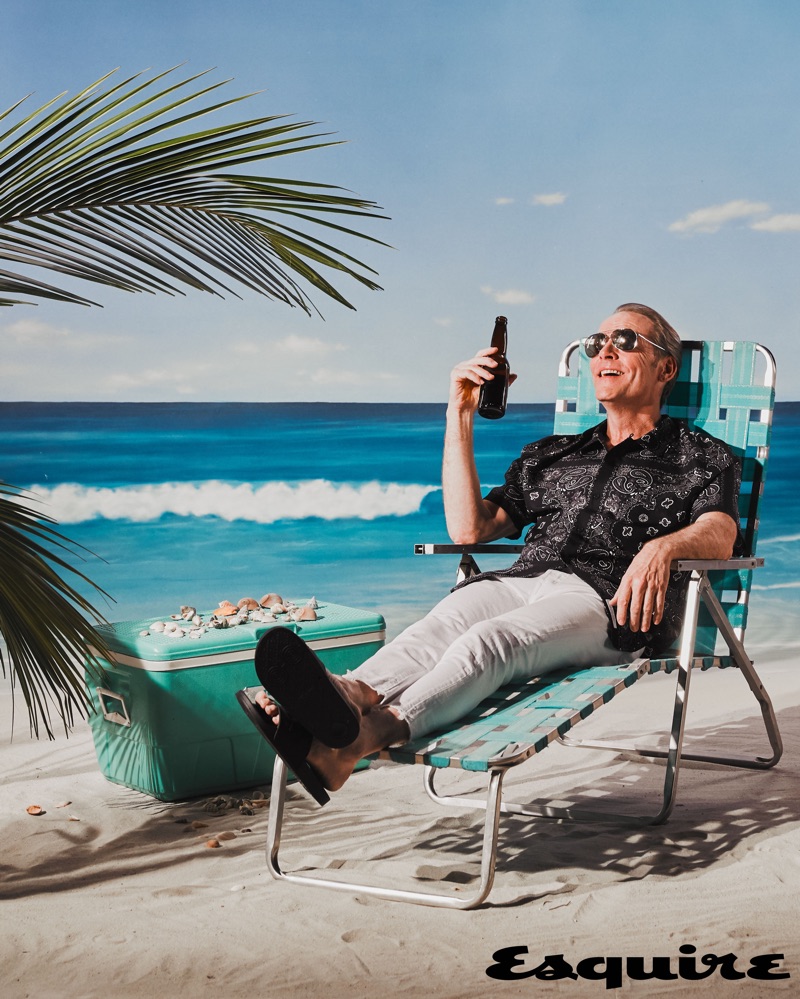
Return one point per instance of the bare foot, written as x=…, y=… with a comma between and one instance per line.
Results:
x=380, y=727
x=357, y=693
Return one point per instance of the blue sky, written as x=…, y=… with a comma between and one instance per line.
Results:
x=543, y=160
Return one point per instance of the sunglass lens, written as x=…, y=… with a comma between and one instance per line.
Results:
x=594, y=344
x=624, y=339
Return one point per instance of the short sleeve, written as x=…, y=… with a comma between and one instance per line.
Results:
x=720, y=494
x=510, y=498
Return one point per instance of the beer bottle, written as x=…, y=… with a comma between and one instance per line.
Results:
x=493, y=394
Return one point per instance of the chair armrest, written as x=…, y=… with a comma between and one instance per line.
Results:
x=682, y=564
x=701, y=564
x=485, y=549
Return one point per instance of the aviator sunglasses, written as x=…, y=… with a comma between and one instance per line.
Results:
x=626, y=340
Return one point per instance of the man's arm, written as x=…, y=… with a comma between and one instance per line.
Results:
x=470, y=518
x=639, y=600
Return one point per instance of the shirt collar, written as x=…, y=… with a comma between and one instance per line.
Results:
x=655, y=440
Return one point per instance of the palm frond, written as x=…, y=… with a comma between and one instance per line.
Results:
x=117, y=186
x=43, y=620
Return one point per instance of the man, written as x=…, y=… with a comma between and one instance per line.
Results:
x=611, y=509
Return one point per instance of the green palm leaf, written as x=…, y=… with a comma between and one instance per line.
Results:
x=113, y=186
x=43, y=619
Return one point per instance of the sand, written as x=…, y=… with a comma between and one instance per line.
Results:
x=116, y=894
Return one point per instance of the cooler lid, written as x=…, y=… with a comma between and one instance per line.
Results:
x=136, y=640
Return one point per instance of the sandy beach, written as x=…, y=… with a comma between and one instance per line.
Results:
x=111, y=893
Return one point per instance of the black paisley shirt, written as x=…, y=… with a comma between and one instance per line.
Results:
x=593, y=508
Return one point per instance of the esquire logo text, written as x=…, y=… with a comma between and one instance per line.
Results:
x=511, y=964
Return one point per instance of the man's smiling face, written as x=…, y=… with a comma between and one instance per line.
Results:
x=634, y=379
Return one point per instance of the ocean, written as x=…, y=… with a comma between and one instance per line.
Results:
x=193, y=503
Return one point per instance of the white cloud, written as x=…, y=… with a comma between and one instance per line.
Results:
x=556, y=198
x=177, y=377
x=504, y=201
x=508, y=296
x=779, y=223
x=33, y=332
x=445, y=321
x=712, y=219
x=292, y=344
x=247, y=347
x=331, y=376
x=307, y=345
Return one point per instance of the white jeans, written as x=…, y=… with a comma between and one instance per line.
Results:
x=484, y=635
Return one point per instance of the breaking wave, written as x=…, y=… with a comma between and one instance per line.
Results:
x=783, y=539
x=71, y=503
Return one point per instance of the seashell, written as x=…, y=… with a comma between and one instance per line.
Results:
x=271, y=598
x=226, y=835
x=218, y=622
x=34, y=810
x=176, y=633
x=144, y=634
x=213, y=844
x=197, y=620
x=248, y=603
x=226, y=609
x=197, y=824
x=305, y=614
x=313, y=603
x=157, y=626
x=63, y=804
x=277, y=609
x=187, y=613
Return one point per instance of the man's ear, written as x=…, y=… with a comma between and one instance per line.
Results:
x=669, y=369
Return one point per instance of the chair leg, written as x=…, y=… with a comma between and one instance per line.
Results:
x=700, y=589
x=752, y=679
x=492, y=804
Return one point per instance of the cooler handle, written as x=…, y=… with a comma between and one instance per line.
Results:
x=113, y=716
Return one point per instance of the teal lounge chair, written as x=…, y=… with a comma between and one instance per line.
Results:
x=725, y=388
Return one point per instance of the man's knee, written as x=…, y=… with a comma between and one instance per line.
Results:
x=496, y=640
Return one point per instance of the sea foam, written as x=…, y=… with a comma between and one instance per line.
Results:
x=71, y=503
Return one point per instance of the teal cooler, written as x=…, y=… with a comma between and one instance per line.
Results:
x=166, y=720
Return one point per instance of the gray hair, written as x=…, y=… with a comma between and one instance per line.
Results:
x=663, y=334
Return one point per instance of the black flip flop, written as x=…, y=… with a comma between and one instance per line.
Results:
x=290, y=741
x=295, y=678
